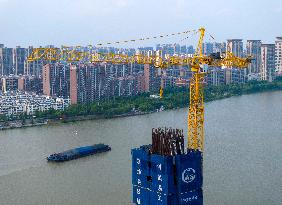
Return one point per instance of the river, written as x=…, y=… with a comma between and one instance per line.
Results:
x=242, y=158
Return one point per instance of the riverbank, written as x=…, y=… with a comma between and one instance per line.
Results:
x=174, y=98
x=14, y=124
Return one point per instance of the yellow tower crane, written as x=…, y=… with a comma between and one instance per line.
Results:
x=196, y=106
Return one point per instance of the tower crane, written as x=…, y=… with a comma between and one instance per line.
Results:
x=196, y=105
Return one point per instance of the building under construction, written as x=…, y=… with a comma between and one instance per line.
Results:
x=164, y=173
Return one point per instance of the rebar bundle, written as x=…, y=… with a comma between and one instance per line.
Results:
x=167, y=141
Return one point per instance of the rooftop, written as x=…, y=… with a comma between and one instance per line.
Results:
x=235, y=39
x=254, y=40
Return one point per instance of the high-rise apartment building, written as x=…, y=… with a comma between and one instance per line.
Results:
x=56, y=80
x=267, y=62
x=95, y=82
x=10, y=83
x=73, y=84
x=169, y=48
x=30, y=84
x=216, y=76
x=6, y=61
x=46, y=79
x=140, y=82
x=233, y=75
x=207, y=48
x=253, y=49
x=33, y=68
x=278, y=56
x=126, y=86
x=190, y=50
x=235, y=46
x=183, y=49
x=14, y=61
x=90, y=83
x=152, y=79
x=147, y=77
x=219, y=47
x=19, y=59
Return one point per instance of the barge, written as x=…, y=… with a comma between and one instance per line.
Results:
x=78, y=153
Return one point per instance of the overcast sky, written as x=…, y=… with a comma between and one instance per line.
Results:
x=83, y=22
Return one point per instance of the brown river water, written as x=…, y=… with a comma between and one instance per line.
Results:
x=242, y=158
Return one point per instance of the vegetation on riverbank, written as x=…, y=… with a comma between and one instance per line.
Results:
x=143, y=103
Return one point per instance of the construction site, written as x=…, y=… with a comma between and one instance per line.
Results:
x=165, y=172
x=125, y=102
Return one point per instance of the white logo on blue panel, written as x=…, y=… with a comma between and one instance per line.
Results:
x=188, y=175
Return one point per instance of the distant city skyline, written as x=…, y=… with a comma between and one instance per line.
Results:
x=71, y=22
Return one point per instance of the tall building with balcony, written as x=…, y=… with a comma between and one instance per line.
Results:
x=190, y=50
x=30, y=84
x=10, y=83
x=90, y=83
x=216, y=76
x=6, y=60
x=152, y=79
x=235, y=46
x=253, y=49
x=46, y=79
x=278, y=56
x=169, y=49
x=19, y=59
x=267, y=62
x=73, y=84
x=219, y=47
x=126, y=86
x=56, y=80
x=233, y=74
x=13, y=61
x=207, y=48
x=183, y=49
x=33, y=68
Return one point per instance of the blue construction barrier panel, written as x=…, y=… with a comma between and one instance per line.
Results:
x=141, y=196
x=191, y=198
x=157, y=198
x=166, y=180
x=162, y=172
x=141, y=168
x=189, y=171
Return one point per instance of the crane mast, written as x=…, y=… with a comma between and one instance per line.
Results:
x=196, y=105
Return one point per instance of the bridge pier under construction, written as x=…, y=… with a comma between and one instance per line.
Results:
x=164, y=173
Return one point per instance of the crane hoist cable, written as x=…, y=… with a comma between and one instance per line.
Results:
x=145, y=38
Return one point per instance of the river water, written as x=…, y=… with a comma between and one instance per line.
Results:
x=242, y=160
